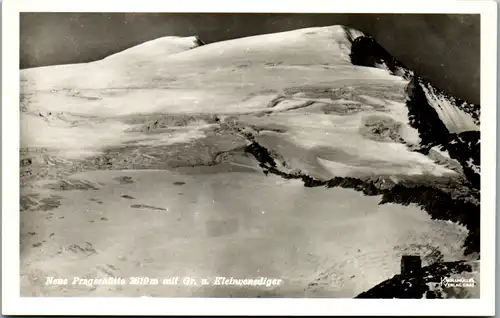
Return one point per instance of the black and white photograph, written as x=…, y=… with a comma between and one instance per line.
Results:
x=222, y=155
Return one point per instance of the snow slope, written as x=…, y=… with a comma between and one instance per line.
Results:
x=232, y=77
x=223, y=224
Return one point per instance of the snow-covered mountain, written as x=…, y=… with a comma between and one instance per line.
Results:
x=325, y=106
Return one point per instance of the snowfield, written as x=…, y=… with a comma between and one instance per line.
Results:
x=174, y=118
x=337, y=238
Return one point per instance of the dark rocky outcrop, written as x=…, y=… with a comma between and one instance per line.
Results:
x=473, y=110
x=424, y=118
x=365, y=51
x=418, y=285
x=261, y=154
x=463, y=147
x=199, y=42
x=440, y=206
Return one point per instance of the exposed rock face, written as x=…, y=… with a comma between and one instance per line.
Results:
x=365, y=51
x=198, y=41
x=439, y=280
x=380, y=128
x=424, y=118
x=463, y=147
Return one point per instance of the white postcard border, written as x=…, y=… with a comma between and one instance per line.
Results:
x=14, y=304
